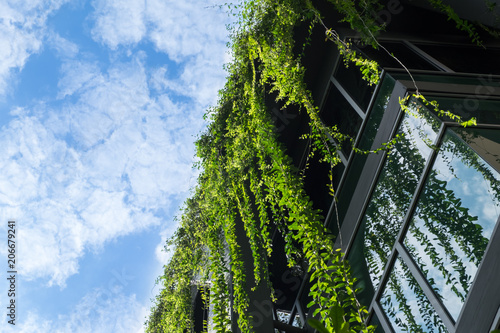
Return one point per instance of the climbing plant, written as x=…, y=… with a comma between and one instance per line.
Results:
x=247, y=177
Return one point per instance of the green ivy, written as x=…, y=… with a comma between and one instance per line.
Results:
x=247, y=177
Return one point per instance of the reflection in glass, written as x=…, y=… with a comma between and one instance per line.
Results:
x=406, y=305
x=395, y=189
x=456, y=213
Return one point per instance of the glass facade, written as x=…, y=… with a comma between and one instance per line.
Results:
x=428, y=221
x=455, y=216
x=406, y=305
x=393, y=194
x=418, y=222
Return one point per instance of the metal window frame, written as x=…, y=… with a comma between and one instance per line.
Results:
x=374, y=166
x=439, y=65
x=463, y=323
x=371, y=171
x=398, y=249
x=332, y=209
x=496, y=321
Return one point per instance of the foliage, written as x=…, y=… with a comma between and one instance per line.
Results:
x=248, y=179
x=174, y=302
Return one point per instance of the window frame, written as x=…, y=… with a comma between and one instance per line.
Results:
x=481, y=305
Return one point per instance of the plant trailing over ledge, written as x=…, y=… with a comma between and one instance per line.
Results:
x=247, y=176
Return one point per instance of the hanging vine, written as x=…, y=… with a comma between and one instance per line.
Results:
x=247, y=177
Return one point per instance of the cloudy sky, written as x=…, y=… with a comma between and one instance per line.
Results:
x=100, y=102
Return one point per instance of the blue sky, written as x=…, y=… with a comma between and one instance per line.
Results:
x=100, y=102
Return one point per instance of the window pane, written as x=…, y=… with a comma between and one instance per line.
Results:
x=406, y=305
x=376, y=114
x=457, y=212
x=365, y=143
x=446, y=54
x=485, y=111
x=393, y=193
x=376, y=322
x=338, y=112
x=352, y=80
x=455, y=79
x=411, y=59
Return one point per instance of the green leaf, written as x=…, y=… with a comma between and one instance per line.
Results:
x=316, y=324
x=337, y=317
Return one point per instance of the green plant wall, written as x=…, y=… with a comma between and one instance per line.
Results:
x=247, y=176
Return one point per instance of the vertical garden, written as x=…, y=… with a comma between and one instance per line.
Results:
x=247, y=177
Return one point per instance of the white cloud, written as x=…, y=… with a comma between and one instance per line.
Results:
x=186, y=28
x=178, y=28
x=192, y=33
x=113, y=154
x=63, y=47
x=103, y=311
x=119, y=22
x=75, y=76
x=22, y=27
x=100, y=311
x=111, y=161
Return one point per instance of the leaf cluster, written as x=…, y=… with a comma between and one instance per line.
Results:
x=248, y=179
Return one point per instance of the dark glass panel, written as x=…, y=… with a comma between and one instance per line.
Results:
x=485, y=111
x=447, y=55
x=455, y=79
x=376, y=322
x=352, y=80
x=406, y=305
x=456, y=213
x=394, y=192
x=478, y=103
x=408, y=57
x=316, y=181
x=377, y=112
x=338, y=112
x=359, y=160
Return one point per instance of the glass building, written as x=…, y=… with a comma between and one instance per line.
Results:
x=419, y=225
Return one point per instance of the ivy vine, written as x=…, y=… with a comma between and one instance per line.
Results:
x=247, y=177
